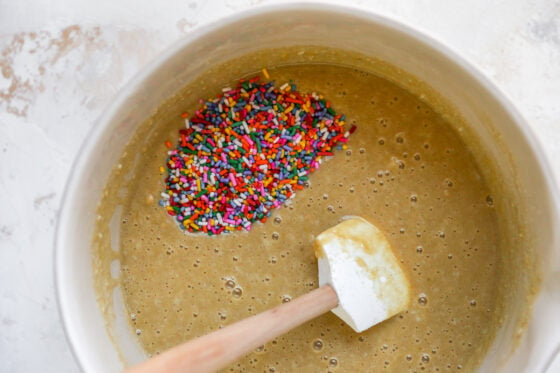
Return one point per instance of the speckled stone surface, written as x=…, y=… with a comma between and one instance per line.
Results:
x=63, y=61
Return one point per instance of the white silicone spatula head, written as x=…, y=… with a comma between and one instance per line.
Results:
x=357, y=261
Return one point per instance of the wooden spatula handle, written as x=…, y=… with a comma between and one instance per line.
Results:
x=217, y=349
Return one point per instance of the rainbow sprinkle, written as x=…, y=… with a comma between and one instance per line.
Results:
x=245, y=153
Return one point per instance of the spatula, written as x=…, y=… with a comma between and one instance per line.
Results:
x=360, y=280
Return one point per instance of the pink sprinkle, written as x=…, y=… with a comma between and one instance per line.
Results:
x=205, y=177
x=248, y=139
x=224, y=157
x=232, y=179
x=343, y=139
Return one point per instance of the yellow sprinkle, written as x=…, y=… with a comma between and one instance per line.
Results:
x=344, y=147
x=195, y=226
x=161, y=169
x=265, y=73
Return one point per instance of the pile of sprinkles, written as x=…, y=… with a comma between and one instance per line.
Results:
x=246, y=152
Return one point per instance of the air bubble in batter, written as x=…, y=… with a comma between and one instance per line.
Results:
x=317, y=345
x=237, y=292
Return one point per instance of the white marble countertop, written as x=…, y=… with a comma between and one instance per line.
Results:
x=62, y=61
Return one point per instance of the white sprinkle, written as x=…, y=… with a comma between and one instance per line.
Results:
x=283, y=87
x=187, y=123
x=227, y=89
x=165, y=195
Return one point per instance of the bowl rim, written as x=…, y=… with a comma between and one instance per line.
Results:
x=77, y=169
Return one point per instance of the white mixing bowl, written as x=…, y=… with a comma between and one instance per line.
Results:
x=503, y=133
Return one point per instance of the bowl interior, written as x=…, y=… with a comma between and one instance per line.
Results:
x=502, y=134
